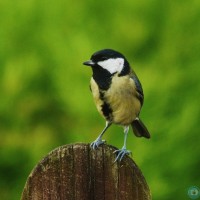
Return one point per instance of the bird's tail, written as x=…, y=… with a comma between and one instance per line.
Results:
x=140, y=129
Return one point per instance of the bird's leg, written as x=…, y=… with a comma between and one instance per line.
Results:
x=122, y=152
x=99, y=140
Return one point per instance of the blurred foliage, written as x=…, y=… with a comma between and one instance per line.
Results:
x=45, y=100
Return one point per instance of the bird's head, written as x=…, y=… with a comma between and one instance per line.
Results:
x=109, y=60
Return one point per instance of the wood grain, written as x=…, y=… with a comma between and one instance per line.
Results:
x=76, y=172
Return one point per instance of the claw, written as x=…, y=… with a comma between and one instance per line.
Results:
x=99, y=141
x=94, y=145
x=121, y=153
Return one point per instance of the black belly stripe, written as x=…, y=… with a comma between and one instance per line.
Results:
x=105, y=107
x=107, y=111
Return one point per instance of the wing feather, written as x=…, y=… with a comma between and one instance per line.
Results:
x=138, y=87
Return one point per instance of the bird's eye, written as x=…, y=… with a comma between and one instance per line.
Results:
x=104, y=58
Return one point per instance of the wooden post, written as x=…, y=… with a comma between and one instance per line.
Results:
x=76, y=172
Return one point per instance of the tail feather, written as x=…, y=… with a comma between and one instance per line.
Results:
x=139, y=129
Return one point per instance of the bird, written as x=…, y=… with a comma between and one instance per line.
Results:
x=117, y=94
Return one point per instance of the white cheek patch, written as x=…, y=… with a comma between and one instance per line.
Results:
x=112, y=65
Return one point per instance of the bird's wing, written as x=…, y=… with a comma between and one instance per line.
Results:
x=138, y=87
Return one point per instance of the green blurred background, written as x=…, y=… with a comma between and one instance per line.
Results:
x=45, y=100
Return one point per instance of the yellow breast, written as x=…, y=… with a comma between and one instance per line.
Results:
x=122, y=98
x=96, y=95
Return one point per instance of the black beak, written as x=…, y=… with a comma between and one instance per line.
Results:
x=89, y=63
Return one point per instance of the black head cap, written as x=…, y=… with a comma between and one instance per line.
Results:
x=104, y=54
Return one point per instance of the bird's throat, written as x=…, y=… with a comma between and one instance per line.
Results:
x=102, y=77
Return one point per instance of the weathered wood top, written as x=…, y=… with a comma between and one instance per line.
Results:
x=76, y=172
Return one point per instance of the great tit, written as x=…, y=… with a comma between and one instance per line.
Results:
x=118, y=95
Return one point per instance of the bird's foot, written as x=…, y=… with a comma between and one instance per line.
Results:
x=94, y=145
x=121, y=153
